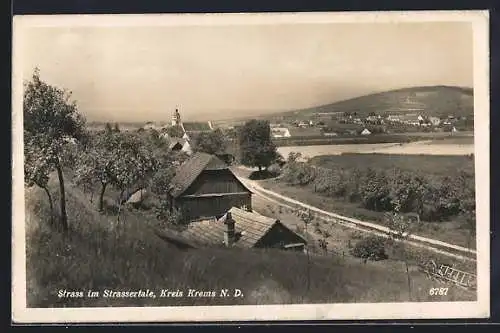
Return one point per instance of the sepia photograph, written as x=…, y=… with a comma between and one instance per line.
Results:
x=242, y=167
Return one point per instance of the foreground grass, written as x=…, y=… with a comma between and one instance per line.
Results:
x=99, y=254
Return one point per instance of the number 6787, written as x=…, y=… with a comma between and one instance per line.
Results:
x=438, y=291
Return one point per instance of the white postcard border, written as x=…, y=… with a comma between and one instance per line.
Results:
x=420, y=310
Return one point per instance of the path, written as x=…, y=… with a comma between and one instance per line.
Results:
x=434, y=245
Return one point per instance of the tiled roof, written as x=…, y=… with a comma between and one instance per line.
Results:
x=175, y=141
x=191, y=169
x=196, y=126
x=302, y=132
x=250, y=227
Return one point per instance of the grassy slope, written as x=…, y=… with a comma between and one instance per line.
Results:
x=451, y=231
x=98, y=255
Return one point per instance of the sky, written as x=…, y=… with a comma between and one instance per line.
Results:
x=217, y=72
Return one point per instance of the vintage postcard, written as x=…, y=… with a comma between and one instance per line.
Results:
x=242, y=167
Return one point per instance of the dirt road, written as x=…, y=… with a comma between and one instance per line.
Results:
x=430, y=244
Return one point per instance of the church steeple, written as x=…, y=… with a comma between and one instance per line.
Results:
x=176, y=118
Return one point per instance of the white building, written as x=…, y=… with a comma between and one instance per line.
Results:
x=280, y=132
x=366, y=132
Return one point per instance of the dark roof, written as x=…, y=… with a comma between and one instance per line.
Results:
x=302, y=132
x=196, y=126
x=250, y=227
x=191, y=169
x=176, y=141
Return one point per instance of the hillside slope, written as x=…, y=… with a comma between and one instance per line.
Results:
x=99, y=255
x=431, y=101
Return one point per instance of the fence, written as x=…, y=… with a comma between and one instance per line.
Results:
x=449, y=274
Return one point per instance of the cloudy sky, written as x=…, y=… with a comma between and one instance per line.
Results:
x=143, y=73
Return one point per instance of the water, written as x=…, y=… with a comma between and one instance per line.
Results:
x=413, y=148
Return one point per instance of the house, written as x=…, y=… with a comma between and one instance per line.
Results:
x=304, y=124
x=149, y=125
x=164, y=135
x=191, y=129
x=176, y=144
x=366, y=132
x=305, y=132
x=435, y=121
x=280, y=132
x=186, y=147
x=205, y=187
x=240, y=228
x=394, y=118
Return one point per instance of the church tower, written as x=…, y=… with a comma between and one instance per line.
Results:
x=176, y=118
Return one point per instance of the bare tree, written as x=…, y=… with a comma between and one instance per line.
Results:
x=402, y=226
x=307, y=217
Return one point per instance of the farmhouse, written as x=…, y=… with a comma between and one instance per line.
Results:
x=243, y=229
x=435, y=121
x=191, y=129
x=280, y=132
x=175, y=144
x=366, y=132
x=204, y=187
x=305, y=132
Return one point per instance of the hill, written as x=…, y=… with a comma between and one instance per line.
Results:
x=97, y=254
x=439, y=101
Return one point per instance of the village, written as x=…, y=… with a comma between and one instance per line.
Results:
x=292, y=189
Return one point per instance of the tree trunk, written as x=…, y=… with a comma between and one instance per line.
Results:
x=409, y=279
x=260, y=168
x=120, y=205
x=308, y=265
x=51, y=205
x=62, y=201
x=101, y=196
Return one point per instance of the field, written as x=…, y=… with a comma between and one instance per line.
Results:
x=98, y=253
x=439, y=173
x=437, y=164
x=451, y=232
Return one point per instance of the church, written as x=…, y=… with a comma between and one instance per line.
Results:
x=190, y=129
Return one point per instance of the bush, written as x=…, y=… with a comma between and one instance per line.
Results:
x=274, y=169
x=435, y=197
x=298, y=173
x=372, y=248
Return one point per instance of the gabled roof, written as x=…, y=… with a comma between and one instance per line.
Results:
x=250, y=227
x=191, y=169
x=301, y=132
x=196, y=126
x=176, y=141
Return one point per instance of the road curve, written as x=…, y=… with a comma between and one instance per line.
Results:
x=434, y=245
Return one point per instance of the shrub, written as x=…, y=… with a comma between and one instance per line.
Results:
x=435, y=197
x=372, y=248
x=298, y=173
x=274, y=169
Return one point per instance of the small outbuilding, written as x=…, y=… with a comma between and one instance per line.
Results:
x=243, y=229
x=366, y=132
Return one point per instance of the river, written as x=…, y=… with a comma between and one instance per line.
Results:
x=413, y=148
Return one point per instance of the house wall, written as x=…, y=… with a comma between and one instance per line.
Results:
x=216, y=181
x=279, y=236
x=199, y=207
